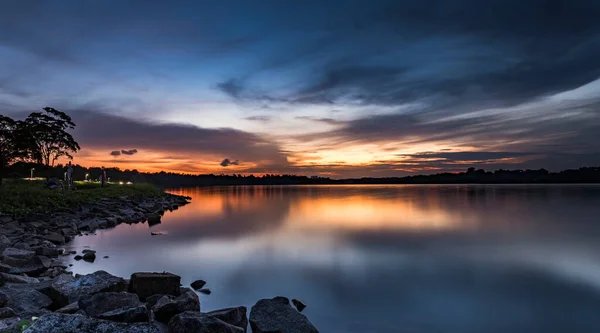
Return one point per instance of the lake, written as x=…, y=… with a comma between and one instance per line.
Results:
x=405, y=258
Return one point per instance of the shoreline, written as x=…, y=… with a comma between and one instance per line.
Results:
x=35, y=282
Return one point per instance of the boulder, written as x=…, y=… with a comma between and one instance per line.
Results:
x=198, y=284
x=148, y=284
x=17, y=278
x=3, y=299
x=29, y=302
x=233, y=316
x=169, y=306
x=74, y=323
x=4, y=268
x=88, y=251
x=55, y=238
x=200, y=322
x=70, y=309
x=153, y=219
x=66, y=289
x=7, y=313
x=299, y=304
x=9, y=325
x=104, y=302
x=152, y=300
x=16, y=257
x=78, y=257
x=131, y=314
x=277, y=315
x=34, y=267
x=51, y=252
x=90, y=256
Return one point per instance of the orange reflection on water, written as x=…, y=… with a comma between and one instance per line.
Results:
x=371, y=213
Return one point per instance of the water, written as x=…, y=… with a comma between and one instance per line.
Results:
x=451, y=258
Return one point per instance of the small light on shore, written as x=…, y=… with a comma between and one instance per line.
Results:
x=129, y=183
x=120, y=183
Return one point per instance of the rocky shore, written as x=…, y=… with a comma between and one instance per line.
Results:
x=38, y=293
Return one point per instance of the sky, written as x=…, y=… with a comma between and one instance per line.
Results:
x=330, y=88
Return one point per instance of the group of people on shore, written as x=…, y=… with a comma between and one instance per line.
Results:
x=69, y=175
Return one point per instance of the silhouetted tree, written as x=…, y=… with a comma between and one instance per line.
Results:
x=15, y=142
x=49, y=132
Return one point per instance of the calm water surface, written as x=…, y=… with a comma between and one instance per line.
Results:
x=451, y=258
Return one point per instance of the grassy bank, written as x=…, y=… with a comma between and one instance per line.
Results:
x=18, y=197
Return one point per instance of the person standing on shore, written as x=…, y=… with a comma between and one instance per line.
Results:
x=69, y=175
x=102, y=177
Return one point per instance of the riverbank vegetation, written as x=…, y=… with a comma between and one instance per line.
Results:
x=20, y=196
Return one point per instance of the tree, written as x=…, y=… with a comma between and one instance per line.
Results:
x=15, y=142
x=50, y=136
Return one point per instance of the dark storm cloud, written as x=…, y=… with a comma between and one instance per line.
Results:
x=227, y=162
x=115, y=153
x=128, y=151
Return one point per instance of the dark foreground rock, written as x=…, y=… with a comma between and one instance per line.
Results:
x=276, y=315
x=188, y=322
x=29, y=303
x=100, y=303
x=67, y=289
x=168, y=306
x=74, y=323
x=233, y=316
x=148, y=284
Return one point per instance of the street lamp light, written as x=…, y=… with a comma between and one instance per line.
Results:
x=86, y=176
x=32, y=170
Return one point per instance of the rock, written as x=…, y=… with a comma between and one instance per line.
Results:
x=22, y=246
x=7, y=313
x=3, y=299
x=55, y=238
x=205, y=291
x=169, y=306
x=233, y=316
x=299, y=304
x=108, y=301
x=69, y=309
x=8, y=325
x=66, y=289
x=148, y=284
x=132, y=314
x=78, y=257
x=74, y=323
x=157, y=233
x=277, y=315
x=90, y=256
x=105, y=257
x=17, y=278
x=152, y=300
x=16, y=257
x=187, y=322
x=29, y=302
x=198, y=284
x=34, y=267
x=88, y=251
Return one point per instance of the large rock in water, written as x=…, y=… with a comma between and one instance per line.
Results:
x=234, y=316
x=190, y=321
x=276, y=315
x=100, y=303
x=73, y=323
x=66, y=289
x=168, y=306
x=148, y=284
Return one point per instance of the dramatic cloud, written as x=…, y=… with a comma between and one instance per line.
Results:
x=226, y=162
x=364, y=88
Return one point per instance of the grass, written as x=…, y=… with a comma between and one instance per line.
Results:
x=19, y=196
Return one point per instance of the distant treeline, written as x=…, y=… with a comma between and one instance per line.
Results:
x=168, y=179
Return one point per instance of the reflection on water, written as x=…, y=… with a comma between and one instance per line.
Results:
x=452, y=258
